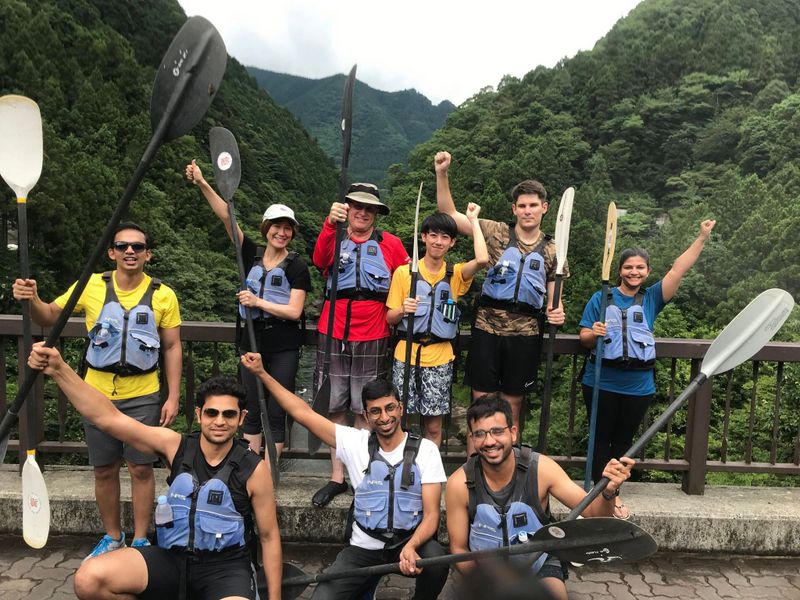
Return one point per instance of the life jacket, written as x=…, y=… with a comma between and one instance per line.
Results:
x=629, y=341
x=517, y=282
x=204, y=517
x=388, y=502
x=363, y=274
x=436, y=318
x=272, y=286
x=125, y=342
x=492, y=526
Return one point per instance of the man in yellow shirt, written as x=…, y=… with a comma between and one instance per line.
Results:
x=129, y=317
x=439, y=287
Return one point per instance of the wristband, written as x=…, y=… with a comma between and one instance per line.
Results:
x=611, y=496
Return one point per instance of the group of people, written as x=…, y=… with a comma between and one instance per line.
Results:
x=221, y=491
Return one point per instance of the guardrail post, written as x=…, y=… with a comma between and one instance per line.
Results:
x=696, y=453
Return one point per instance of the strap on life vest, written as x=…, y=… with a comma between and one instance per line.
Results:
x=473, y=474
x=409, y=456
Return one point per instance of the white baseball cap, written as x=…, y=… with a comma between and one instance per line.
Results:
x=279, y=211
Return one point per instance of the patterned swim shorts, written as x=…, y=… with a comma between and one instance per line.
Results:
x=435, y=382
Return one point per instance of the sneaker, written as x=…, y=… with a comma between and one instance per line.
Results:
x=140, y=543
x=106, y=544
x=328, y=492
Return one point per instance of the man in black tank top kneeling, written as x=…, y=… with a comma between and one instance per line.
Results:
x=218, y=490
x=506, y=483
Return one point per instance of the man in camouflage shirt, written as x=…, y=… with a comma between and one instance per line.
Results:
x=506, y=342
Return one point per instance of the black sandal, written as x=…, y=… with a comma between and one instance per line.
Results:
x=328, y=492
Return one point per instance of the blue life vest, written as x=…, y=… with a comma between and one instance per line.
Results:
x=204, y=517
x=517, y=282
x=272, y=286
x=436, y=318
x=388, y=501
x=492, y=526
x=629, y=341
x=363, y=274
x=125, y=342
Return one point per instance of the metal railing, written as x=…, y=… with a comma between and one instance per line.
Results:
x=727, y=426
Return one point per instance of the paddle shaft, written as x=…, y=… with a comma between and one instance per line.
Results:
x=412, y=293
x=598, y=363
x=639, y=445
x=27, y=335
x=553, y=545
x=544, y=417
x=55, y=332
x=251, y=335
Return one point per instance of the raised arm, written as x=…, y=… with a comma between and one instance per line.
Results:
x=478, y=244
x=262, y=498
x=42, y=313
x=444, y=199
x=301, y=412
x=217, y=204
x=98, y=409
x=685, y=261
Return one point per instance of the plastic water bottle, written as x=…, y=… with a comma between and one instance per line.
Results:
x=103, y=333
x=522, y=537
x=163, y=514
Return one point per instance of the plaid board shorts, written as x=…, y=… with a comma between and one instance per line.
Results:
x=353, y=364
x=433, y=396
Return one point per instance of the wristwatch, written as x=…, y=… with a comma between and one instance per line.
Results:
x=612, y=495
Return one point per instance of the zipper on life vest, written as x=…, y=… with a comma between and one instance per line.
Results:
x=358, y=267
x=123, y=352
x=390, y=521
x=624, y=334
x=259, y=314
x=192, y=511
x=504, y=525
x=519, y=278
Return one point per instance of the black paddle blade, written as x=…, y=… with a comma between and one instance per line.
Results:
x=602, y=539
x=196, y=59
x=225, y=156
x=347, y=116
x=288, y=592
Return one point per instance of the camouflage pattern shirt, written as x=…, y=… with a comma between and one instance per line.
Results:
x=499, y=321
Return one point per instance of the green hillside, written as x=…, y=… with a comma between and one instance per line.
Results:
x=90, y=65
x=386, y=125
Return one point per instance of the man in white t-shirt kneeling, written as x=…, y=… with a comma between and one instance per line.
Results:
x=397, y=479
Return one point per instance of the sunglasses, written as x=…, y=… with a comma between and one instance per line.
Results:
x=135, y=246
x=480, y=434
x=213, y=413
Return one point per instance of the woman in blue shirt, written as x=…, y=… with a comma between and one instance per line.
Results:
x=627, y=385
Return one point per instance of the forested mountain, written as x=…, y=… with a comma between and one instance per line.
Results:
x=685, y=110
x=90, y=65
x=386, y=125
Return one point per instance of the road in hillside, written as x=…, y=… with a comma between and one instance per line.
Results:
x=47, y=574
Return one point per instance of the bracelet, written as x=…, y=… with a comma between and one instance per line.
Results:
x=610, y=496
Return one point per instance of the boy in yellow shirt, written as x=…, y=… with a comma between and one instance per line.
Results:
x=439, y=286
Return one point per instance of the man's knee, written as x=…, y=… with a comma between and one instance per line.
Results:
x=107, y=472
x=89, y=581
x=143, y=473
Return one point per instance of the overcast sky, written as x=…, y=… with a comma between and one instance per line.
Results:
x=443, y=49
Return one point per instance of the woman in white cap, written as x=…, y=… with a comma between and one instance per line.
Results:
x=277, y=283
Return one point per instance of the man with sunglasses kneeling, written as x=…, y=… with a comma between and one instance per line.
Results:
x=398, y=484
x=130, y=318
x=219, y=489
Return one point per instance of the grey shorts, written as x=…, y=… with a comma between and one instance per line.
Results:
x=352, y=365
x=106, y=450
x=428, y=388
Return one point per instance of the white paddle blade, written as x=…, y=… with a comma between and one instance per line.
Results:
x=748, y=332
x=20, y=143
x=35, y=504
x=562, y=229
x=415, y=257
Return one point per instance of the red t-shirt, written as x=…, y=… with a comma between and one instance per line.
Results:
x=367, y=317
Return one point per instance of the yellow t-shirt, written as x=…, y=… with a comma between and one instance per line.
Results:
x=165, y=307
x=433, y=355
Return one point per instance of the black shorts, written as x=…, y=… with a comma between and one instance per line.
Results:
x=507, y=364
x=209, y=578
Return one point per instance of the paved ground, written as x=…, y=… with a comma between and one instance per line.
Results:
x=47, y=574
